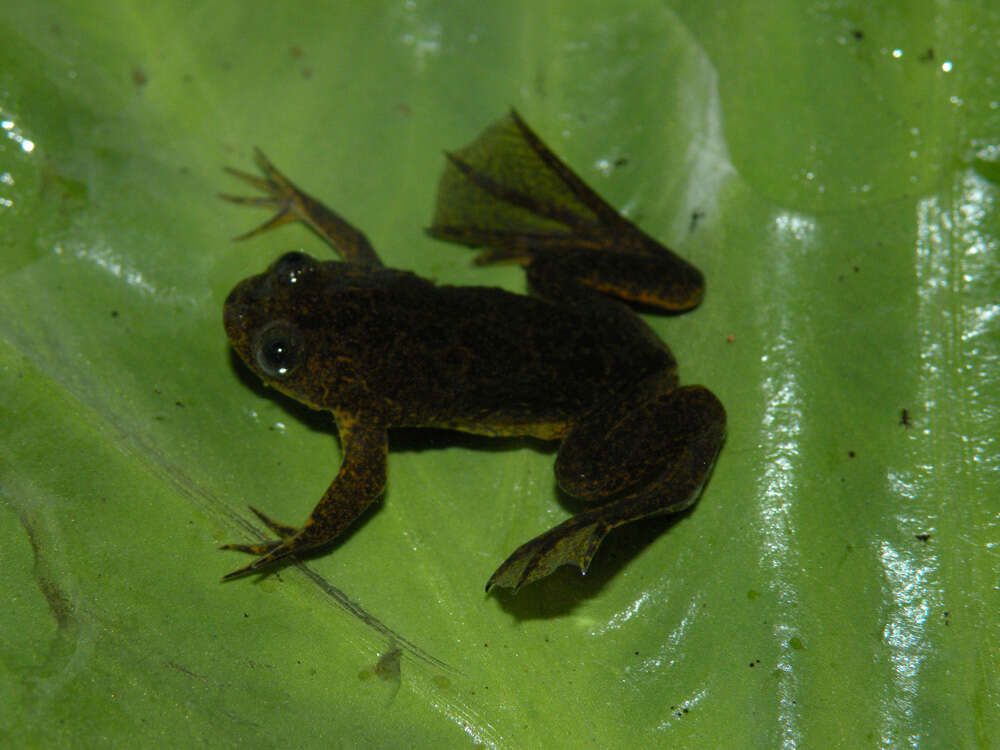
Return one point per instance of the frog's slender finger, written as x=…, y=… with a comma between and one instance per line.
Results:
x=261, y=183
x=281, y=529
x=245, y=570
x=273, y=175
x=278, y=551
x=236, y=573
x=261, y=548
x=244, y=200
x=285, y=216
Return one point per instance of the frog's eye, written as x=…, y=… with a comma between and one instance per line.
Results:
x=293, y=267
x=278, y=349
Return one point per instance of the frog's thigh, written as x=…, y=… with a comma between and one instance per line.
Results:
x=645, y=455
x=663, y=439
x=663, y=281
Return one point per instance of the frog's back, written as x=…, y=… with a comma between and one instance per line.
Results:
x=486, y=360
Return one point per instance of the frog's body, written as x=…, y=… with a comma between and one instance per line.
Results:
x=412, y=354
x=381, y=348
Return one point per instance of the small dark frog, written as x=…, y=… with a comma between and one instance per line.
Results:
x=382, y=348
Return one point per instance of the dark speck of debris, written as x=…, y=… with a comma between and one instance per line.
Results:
x=621, y=161
x=924, y=537
x=858, y=34
x=696, y=216
x=927, y=56
x=114, y=313
x=851, y=454
x=904, y=418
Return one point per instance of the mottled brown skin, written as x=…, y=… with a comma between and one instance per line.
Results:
x=382, y=348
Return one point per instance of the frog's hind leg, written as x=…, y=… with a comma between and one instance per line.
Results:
x=509, y=193
x=293, y=204
x=640, y=458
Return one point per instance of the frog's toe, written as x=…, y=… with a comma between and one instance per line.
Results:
x=272, y=198
x=270, y=552
x=262, y=551
x=262, y=548
x=281, y=529
x=286, y=214
x=236, y=573
x=572, y=542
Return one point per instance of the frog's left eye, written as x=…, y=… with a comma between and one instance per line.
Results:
x=293, y=267
x=278, y=349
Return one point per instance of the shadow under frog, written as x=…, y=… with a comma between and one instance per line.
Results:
x=381, y=348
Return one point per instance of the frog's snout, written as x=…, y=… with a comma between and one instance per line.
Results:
x=236, y=298
x=234, y=312
x=232, y=317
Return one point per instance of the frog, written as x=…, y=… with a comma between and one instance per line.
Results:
x=572, y=361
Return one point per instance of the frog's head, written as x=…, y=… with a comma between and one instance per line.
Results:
x=260, y=317
x=279, y=323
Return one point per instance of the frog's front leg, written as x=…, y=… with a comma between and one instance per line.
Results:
x=645, y=455
x=359, y=482
x=294, y=204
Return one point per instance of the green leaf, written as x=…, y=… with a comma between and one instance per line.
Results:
x=833, y=170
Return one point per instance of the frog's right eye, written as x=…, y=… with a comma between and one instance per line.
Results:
x=278, y=349
x=293, y=267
